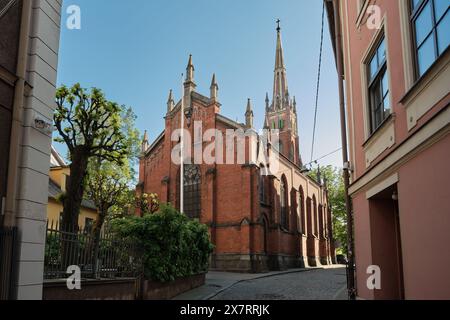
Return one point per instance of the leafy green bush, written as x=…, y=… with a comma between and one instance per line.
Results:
x=173, y=245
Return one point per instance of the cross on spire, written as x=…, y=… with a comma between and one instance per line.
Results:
x=278, y=25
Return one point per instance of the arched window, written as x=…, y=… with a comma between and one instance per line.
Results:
x=301, y=208
x=283, y=204
x=192, y=191
x=261, y=185
x=315, y=217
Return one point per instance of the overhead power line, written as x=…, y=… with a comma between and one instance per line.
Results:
x=323, y=157
x=6, y=8
x=318, y=82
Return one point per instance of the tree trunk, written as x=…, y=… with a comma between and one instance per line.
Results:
x=96, y=232
x=72, y=204
x=75, y=189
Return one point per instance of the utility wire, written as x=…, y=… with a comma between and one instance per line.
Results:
x=318, y=81
x=6, y=8
x=323, y=157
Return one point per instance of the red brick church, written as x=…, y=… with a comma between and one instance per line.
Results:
x=257, y=222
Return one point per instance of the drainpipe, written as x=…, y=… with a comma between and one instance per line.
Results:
x=17, y=120
x=348, y=202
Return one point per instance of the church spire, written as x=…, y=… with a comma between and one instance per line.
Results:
x=280, y=87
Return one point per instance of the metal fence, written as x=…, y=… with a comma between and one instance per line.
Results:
x=8, y=263
x=108, y=257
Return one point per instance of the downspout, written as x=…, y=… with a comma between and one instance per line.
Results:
x=15, y=151
x=348, y=203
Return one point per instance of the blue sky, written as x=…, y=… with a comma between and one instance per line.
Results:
x=136, y=50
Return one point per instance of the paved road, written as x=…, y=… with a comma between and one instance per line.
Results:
x=322, y=284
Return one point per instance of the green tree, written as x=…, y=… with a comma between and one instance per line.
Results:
x=333, y=178
x=90, y=126
x=108, y=182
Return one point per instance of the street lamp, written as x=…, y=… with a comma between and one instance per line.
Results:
x=188, y=114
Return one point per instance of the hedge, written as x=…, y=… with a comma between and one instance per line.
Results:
x=173, y=245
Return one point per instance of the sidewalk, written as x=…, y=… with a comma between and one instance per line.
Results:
x=217, y=282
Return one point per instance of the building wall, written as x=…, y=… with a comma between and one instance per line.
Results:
x=408, y=152
x=10, y=26
x=425, y=212
x=30, y=148
x=54, y=209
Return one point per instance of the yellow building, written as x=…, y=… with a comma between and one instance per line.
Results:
x=59, y=171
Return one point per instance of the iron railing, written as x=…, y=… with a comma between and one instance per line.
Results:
x=107, y=257
x=8, y=263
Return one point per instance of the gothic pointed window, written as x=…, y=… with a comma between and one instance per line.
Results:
x=192, y=191
x=261, y=185
x=283, y=204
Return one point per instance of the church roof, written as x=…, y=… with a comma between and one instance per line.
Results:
x=229, y=122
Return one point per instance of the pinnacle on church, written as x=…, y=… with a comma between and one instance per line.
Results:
x=170, y=102
x=190, y=70
x=145, y=143
x=214, y=88
x=249, y=115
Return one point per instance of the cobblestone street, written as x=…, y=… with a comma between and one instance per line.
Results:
x=323, y=284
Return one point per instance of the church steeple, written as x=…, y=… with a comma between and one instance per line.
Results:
x=280, y=98
x=281, y=114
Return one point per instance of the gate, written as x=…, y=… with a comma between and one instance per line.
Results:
x=8, y=263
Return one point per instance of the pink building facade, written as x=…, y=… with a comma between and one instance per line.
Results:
x=397, y=79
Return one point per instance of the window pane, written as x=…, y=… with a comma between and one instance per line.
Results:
x=387, y=106
x=440, y=6
x=385, y=84
x=415, y=3
x=426, y=55
x=373, y=67
x=376, y=105
x=378, y=118
x=381, y=52
x=423, y=24
x=443, y=33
